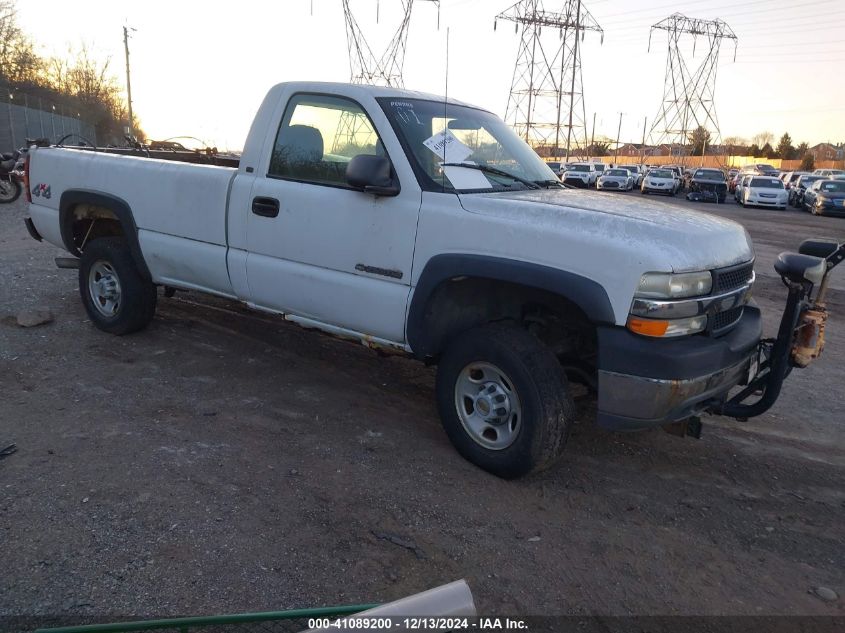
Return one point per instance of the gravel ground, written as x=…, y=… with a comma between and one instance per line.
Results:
x=215, y=464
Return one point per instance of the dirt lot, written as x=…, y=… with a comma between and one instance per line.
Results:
x=219, y=464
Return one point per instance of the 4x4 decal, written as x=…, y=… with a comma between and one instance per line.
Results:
x=42, y=190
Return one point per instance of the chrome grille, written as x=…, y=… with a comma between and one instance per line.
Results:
x=727, y=279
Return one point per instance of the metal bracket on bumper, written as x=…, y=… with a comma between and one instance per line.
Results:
x=800, y=338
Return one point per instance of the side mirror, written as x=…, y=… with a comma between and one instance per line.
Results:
x=371, y=174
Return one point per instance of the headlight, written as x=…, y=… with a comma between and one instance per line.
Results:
x=822, y=200
x=674, y=286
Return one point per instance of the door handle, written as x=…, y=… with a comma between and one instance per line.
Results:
x=266, y=207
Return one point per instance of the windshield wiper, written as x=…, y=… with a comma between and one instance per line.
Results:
x=493, y=170
x=548, y=184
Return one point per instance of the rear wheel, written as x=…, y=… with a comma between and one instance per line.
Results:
x=504, y=400
x=116, y=296
x=10, y=190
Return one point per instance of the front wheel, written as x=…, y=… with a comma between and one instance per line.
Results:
x=115, y=294
x=504, y=400
x=10, y=190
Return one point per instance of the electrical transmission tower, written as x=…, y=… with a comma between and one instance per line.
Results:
x=546, y=103
x=365, y=68
x=689, y=97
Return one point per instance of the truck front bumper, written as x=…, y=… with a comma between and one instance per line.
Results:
x=645, y=382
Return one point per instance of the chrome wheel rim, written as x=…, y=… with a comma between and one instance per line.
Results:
x=104, y=288
x=488, y=405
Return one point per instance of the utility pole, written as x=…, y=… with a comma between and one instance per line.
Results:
x=128, y=82
x=642, y=146
x=618, y=134
x=593, y=137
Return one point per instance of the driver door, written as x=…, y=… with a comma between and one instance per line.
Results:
x=318, y=249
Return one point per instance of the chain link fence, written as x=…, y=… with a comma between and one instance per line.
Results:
x=25, y=116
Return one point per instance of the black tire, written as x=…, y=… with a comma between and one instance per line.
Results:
x=137, y=296
x=547, y=410
x=10, y=191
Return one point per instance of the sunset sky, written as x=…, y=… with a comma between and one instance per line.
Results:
x=201, y=67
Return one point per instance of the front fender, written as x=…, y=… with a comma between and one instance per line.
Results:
x=585, y=293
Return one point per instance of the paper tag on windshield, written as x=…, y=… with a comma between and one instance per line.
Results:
x=466, y=178
x=447, y=147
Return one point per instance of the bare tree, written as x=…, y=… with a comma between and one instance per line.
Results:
x=19, y=61
x=78, y=80
x=763, y=138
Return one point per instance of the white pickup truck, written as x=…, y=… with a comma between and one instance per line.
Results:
x=429, y=228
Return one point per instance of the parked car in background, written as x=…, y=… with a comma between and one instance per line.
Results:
x=744, y=179
x=791, y=177
x=618, y=179
x=796, y=192
x=659, y=180
x=825, y=197
x=732, y=172
x=580, y=175
x=678, y=174
x=765, y=169
x=556, y=167
x=709, y=180
x=600, y=169
x=636, y=173
x=734, y=181
x=829, y=172
x=764, y=191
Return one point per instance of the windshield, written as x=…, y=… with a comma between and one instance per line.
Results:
x=578, y=168
x=803, y=181
x=631, y=168
x=433, y=133
x=660, y=173
x=617, y=172
x=710, y=174
x=766, y=183
x=833, y=186
x=599, y=166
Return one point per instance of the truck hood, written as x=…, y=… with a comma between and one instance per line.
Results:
x=663, y=236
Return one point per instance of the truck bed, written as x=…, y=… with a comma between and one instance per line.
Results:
x=179, y=208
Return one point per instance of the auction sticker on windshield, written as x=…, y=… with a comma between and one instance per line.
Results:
x=448, y=147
